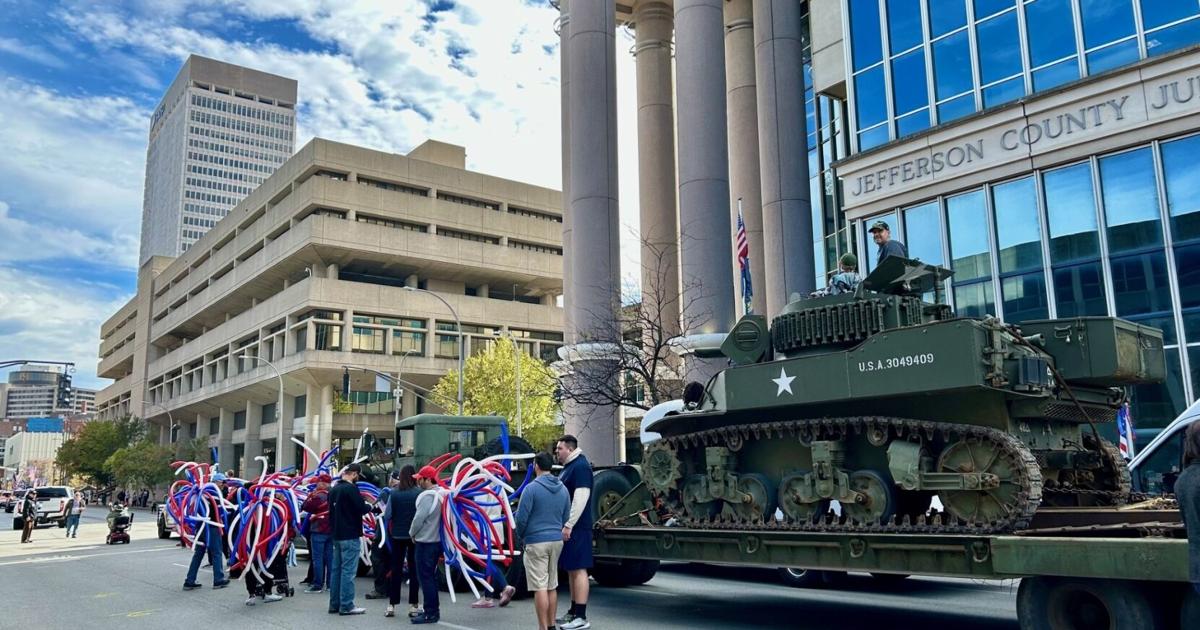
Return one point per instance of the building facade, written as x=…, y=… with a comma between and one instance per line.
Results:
x=40, y=391
x=1042, y=150
x=342, y=258
x=31, y=455
x=218, y=132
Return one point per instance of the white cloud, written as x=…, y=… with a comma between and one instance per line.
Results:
x=28, y=241
x=45, y=318
x=30, y=52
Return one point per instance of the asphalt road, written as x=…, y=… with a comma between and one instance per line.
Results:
x=82, y=582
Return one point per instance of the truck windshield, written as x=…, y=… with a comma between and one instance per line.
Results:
x=1157, y=473
x=405, y=442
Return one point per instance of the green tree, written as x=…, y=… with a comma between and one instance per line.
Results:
x=144, y=463
x=193, y=450
x=86, y=454
x=489, y=387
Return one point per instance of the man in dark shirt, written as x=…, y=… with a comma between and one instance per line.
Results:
x=882, y=235
x=576, y=556
x=346, y=509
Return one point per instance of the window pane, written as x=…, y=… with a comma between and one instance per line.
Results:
x=999, y=48
x=1173, y=38
x=904, y=24
x=957, y=108
x=872, y=248
x=1056, y=75
x=952, y=65
x=1182, y=172
x=1105, y=21
x=1159, y=12
x=912, y=123
x=1194, y=360
x=1130, y=200
x=1079, y=290
x=1017, y=230
x=1157, y=404
x=1164, y=322
x=1001, y=93
x=1140, y=284
x=869, y=97
x=1187, y=270
x=974, y=300
x=908, y=82
x=984, y=8
x=946, y=15
x=969, y=236
x=1071, y=212
x=1113, y=56
x=1024, y=297
x=1191, y=326
x=923, y=233
x=1050, y=29
x=873, y=138
x=866, y=42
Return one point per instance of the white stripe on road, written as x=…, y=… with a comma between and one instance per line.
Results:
x=454, y=625
x=70, y=558
x=650, y=591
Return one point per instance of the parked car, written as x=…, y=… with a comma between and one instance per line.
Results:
x=6, y=499
x=1156, y=466
x=166, y=523
x=52, y=506
x=18, y=496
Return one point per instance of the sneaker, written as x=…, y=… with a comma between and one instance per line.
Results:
x=252, y=600
x=375, y=595
x=353, y=611
x=424, y=619
x=506, y=595
x=484, y=602
x=314, y=589
x=190, y=586
x=272, y=597
x=332, y=611
x=565, y=619
x=390, y=612
x=415, y=611
x=221, y=584
x=578, y=623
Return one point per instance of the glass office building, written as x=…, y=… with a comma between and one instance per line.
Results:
x=1045, y=150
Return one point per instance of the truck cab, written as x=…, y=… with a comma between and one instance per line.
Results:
x=1155, y=467
x=423, y=437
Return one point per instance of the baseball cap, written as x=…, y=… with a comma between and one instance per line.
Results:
x=395, y=474
x=324, y=478
x=849, y=260
x=355, y=468
x=426, y=472
x=218, y=477
x=879, y=225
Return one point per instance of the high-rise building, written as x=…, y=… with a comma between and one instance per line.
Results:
x=219, y=131
x=37, y=391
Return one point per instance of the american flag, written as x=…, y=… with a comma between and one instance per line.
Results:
x=1125, y=431
x=743, y=258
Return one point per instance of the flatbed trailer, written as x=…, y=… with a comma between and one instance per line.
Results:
x=1080, y=568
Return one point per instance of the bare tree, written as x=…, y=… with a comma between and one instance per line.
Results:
x=633, y=348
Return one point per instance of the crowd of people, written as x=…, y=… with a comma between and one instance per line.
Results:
x=553, y=525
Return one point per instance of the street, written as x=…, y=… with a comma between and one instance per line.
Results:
x=84, y=583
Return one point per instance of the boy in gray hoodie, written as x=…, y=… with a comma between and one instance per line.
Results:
x=425, y=531
x=543, y=512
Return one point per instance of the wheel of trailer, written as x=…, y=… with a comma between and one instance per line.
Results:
x=1050, y=603
x=794, y=509
x=879, y=498
x=608, y=487
x=889, y=580
x=759, y=499
x=972, y=455
x=624, y=572
x=802, y=578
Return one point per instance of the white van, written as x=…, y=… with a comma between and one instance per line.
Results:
x=1155, y=467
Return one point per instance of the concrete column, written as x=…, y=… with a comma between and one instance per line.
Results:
x=225, y=440
x=312, y=402
x=324, y=438
x=706, y=236
x=744, y=181
x=411, y=281
x=593, y=206
x=783, y=152
x=331, y=271
x=254, y=421
x=654, y=23
x=564, y=24
x=287, y=450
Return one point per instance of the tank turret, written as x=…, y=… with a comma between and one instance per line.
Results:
x=881, y=398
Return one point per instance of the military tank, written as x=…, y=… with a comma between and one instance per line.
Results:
x=882, y=398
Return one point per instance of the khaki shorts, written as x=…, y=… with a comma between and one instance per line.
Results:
x=541, y=565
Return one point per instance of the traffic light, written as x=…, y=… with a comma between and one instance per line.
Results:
x=65, y=396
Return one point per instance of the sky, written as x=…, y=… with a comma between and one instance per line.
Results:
x=79, y=80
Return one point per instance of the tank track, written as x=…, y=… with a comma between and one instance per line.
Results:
x=735, y=436
x=1122, y=495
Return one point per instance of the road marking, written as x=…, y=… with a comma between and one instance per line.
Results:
x=69, y=558
x=136, y=613
x=182, y=566
x=454, y=625
x=650, y=591
x=102, y=595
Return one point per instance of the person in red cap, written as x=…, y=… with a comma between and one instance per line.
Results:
x=425, y=532
x=320, y=540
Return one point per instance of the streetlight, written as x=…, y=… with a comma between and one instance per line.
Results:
x=170, y=418
x=278, y=408
x=398, y=390
x=517, y=358
x=460, y=341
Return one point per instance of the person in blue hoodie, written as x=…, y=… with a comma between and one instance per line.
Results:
x=541, y=515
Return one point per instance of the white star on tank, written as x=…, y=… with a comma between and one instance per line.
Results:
x=784, y=382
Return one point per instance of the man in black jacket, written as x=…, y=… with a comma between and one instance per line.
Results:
x=29, y=507
x=346, y=509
